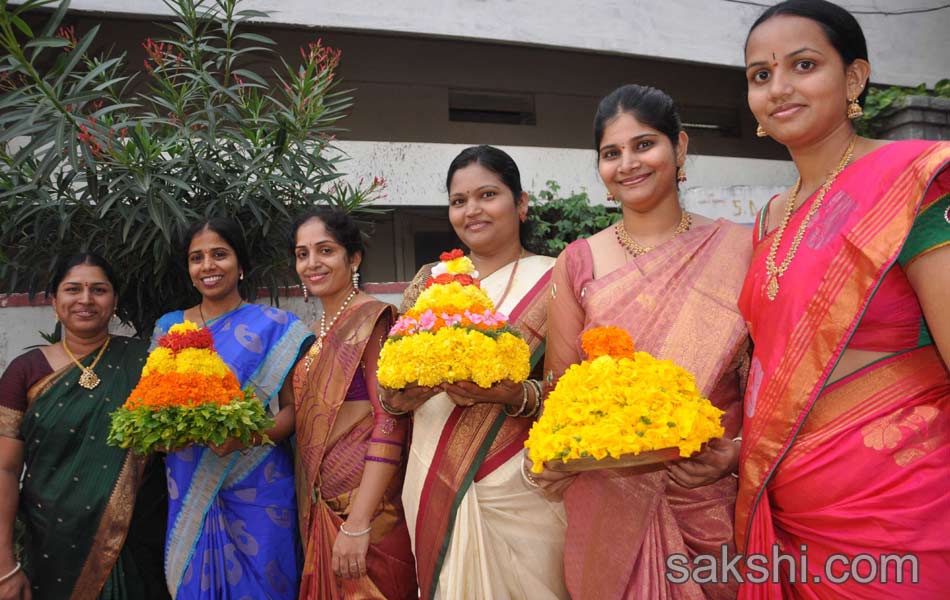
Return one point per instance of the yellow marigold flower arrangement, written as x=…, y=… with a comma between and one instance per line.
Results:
x=621, y=402
x=452, y=333
x=186, y=395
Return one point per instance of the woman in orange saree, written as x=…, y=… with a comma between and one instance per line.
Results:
x=677, y=300
x=350, y=464
x=844, y=464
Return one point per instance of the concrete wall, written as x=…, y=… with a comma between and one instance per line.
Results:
x=416, y=174
x=906, y=49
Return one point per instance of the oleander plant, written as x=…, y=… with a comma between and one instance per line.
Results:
x=100, y=155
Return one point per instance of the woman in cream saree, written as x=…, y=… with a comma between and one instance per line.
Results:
x=478, y=528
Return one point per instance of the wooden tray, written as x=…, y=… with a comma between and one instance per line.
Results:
x=579, y=465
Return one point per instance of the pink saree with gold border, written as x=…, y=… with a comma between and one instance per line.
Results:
x=858, y=466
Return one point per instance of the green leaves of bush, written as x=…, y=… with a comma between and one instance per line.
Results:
x=555, y=220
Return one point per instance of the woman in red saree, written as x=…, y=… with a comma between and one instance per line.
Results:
x=350, y=463
x=845, y=456
x=479, y=530
x=671, y=279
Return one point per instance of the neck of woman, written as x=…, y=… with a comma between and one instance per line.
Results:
x=816, y=160
x=656, y=225
x=213, y=308
x=334, y=302
x=487, y=261
x=81, y=345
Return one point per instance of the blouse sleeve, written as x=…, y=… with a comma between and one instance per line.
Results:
x=565, y=313
x=14, y=385
x=389, y=432
x=931, y=228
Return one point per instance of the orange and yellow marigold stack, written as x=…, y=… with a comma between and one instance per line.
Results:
x=453, y=333
x=186, y=395
x=621, y=402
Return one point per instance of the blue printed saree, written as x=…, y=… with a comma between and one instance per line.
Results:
x=232, y=521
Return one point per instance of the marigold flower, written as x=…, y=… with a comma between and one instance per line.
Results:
x=452, y=333
x=621, y=402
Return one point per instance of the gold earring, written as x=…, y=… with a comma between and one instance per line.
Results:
x=680, y=175
x=760, y=131
x=854, y=109
x=306, y=294
x=610, y=198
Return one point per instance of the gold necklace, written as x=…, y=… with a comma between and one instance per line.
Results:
x=634, y=248
x=773, y=272
x=88, y=379
x=324, y=330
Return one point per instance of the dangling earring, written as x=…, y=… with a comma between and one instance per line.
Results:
x=680, y=175
x=241, y=278
x=306, y=294
x=610, y=198
x=854, y=109
x=760, y=131
x=356, y=280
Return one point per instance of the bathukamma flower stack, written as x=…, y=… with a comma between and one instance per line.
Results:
x=186, y=395
x=619, y=403
x=452, y=333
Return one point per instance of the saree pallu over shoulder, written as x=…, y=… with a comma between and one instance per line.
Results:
x=678, y=303
x=319, y=394
x=799, y=337
x=80, y=495
x=232, y=519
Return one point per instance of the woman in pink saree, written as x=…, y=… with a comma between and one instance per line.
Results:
x=845, y=456
x=671, y=279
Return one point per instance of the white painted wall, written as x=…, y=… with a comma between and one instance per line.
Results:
x=905, y=49
x=718, y=186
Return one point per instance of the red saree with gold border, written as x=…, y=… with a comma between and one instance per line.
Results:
x=860, y=466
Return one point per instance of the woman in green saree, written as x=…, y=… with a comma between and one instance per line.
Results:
x=94, y=515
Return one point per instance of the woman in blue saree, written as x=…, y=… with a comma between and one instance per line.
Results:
x=232, y=522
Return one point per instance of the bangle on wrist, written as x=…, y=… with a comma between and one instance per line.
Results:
x=536, y=386
x=524, y=402
x=738, y=438
x=529, y=478
x=355, y=533
x=390, y=410
x=15, y=570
